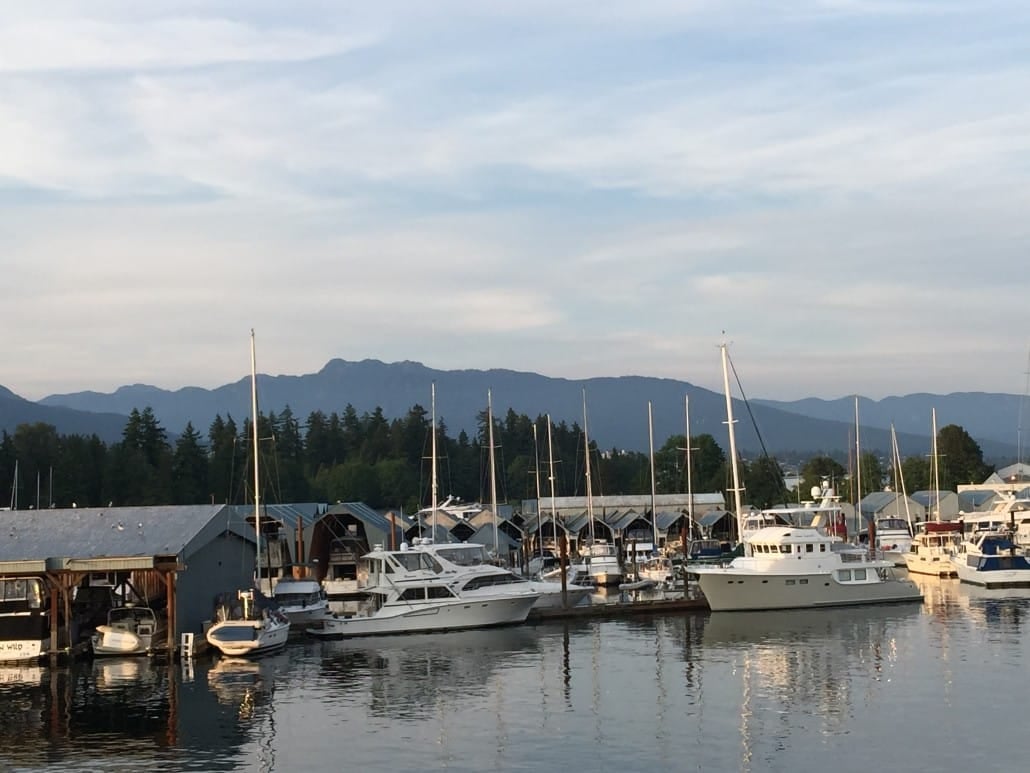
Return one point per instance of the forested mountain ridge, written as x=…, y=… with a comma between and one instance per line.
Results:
x=617, y=407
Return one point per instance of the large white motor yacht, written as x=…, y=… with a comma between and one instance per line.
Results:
x=406, y=593
x=468, y=570
x=789, y=567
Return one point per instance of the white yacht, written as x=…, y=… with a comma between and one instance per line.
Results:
x=932, y=547
x=468, y=569
x=893, y=539
x=598, y=563
x=992, y=560
x=303, y=600
x=406, y=593
x=790, y=567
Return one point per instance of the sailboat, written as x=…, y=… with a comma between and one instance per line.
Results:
x=894, y=533
x=252, y=625
x=932, y=548
x=654, y=568
x=599, y=561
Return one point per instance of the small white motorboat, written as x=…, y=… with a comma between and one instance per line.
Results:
x=130, y=630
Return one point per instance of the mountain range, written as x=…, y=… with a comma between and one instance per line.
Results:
x=616, y=408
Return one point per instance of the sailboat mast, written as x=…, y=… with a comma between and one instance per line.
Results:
x=550, y=477
x=858, y=473
x=536, y=477
x=899, y=476
x=733, y=438
x=254, y=428
x=433, y=473
x=586, y=447
x=690, y=469
x=493, y=468
x=936, y=468
x=654, y=497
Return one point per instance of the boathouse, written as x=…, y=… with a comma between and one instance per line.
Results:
x=889, y=504
x=618, y=518
x=173, y=558
x=939, y=505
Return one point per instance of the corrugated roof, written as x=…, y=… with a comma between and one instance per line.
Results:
x=289, y=515
x=668, y=518
x=364, y=513
x=106, y=532
x=623, y=520
x=712, y=517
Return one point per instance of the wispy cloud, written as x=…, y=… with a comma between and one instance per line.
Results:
x=577, y=189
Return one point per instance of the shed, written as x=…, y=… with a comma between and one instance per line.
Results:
x=176, y=557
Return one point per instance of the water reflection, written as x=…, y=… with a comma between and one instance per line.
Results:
x=407, y=677
x=809, y=665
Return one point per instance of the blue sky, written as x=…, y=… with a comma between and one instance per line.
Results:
x=572, y=188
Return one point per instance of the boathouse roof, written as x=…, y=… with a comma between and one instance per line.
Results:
x=109, y=538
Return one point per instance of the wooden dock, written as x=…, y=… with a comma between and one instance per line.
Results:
x=622, y=608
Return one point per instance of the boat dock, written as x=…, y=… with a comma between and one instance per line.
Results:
x=621, y=608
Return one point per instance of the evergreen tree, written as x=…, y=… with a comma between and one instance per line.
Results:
x=189, y=469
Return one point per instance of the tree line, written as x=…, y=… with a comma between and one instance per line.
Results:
x=386, y=463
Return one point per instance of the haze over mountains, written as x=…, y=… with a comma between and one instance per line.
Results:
x=616, y=408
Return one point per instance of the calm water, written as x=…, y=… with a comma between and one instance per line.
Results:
x=938, y=686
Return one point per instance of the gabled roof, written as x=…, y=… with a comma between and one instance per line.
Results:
x=668, y=518
x=624, y=520
x=928, y=496
x=290, y=515
x=35, y=539
x=712, y=517
x=366, y=514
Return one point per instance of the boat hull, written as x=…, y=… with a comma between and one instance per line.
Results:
x=451, y=615
x=21, y=650
x=726, y=589
x=116, y=642
x=935, y=565
x=551, y=598
x=993, y=578
x=248, y=638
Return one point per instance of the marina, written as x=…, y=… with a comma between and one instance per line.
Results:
x=729, y=691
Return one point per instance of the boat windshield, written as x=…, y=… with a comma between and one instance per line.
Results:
x=414, y=560
x=464, y=555
x=891, y=524
x=27, y=590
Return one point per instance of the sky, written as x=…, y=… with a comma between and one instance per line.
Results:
x=837, y=188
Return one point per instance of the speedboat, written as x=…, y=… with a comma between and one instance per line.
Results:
x=254, y=626
x=406, y=593
x=302, y=600
x=992, y=560
x=788, y=568
x=130, y=630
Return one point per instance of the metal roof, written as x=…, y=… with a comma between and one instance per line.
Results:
x=125, y=537
x=620, y=521
x=667, y=518
x=366, y=514
x=305, y=513
x=712, y=517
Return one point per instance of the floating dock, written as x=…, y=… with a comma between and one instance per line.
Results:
x=621, y=608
